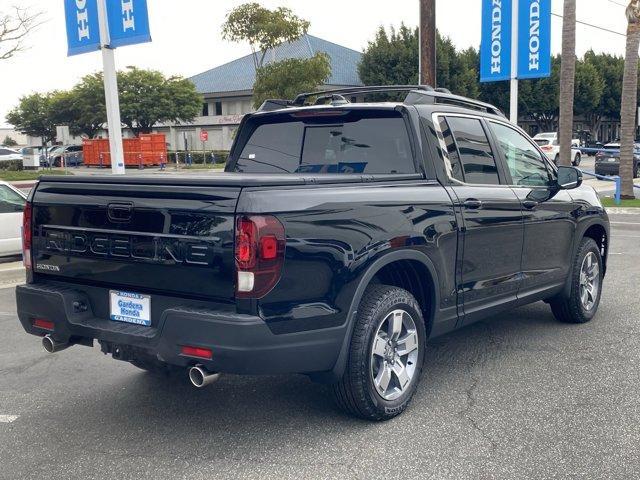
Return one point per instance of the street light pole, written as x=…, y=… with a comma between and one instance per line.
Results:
x=111, y=93
x=427, y=43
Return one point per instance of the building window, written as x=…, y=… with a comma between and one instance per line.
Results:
x=205, y=109
x=218, y=108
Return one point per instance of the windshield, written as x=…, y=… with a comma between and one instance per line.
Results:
x=375, y=142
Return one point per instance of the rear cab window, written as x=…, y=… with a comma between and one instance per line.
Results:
x=470, y=158
x=361, y=141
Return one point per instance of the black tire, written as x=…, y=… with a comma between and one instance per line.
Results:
x=355, y=393
x=636, y=172
x=556, y=160
x=578, y=159
x=571, y=309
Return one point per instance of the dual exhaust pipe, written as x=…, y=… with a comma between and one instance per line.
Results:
x=52, y=345
x=199, y=376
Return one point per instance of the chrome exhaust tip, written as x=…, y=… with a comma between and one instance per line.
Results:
x=52, y=346
x=200, y=377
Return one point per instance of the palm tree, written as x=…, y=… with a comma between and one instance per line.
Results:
x=629, y=99
x=567, y=80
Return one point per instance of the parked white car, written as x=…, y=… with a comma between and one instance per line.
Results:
x=9, y=154
x=12, y=203
x=550, y=145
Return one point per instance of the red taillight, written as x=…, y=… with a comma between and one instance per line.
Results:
x=546, y=148
x=198, y=352
x=260, y=244
x=27, y=235
x=44, y=324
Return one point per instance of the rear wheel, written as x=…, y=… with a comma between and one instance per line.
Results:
x=576, y=161
x=636, y=171
x=586, y=286
x=385, y=355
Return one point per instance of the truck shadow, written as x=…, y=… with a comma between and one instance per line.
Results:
x=249, y=417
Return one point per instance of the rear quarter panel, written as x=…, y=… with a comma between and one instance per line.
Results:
x=334, y=235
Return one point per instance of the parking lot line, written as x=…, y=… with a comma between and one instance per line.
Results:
x=8, y=418
x=625, y=223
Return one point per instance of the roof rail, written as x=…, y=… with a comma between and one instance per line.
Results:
x=418, y=94
x=300, y=99
x=444, y=97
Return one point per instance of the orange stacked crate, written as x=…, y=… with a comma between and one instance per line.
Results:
x=131, y=152
x=154, y=148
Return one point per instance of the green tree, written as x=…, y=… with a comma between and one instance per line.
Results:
x=391, y=58
x=289, y=77
x=147, y=98
x=589, y=88
x=9, y=142
x=83, y=107
x=539, y=98
x=611, y=68
x=34, y=116
x=263, y=28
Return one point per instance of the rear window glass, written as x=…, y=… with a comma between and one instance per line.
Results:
x=474, y=150
x=351, y=143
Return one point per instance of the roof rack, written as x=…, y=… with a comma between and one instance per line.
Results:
x=418, y=95
x=300, y=99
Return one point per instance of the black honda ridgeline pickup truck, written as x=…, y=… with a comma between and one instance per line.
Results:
x=341, y=237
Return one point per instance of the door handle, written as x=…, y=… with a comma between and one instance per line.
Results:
x=472, y=204
x=529, y=204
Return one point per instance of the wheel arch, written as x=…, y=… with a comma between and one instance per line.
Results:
x=388, y=267
x=597, y=230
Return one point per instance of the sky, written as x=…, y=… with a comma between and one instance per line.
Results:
x=187, y=40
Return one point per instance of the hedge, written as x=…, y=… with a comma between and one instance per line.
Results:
x=11, y=165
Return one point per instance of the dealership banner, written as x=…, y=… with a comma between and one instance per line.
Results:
x=127, y=21
x=534, y=39
x=495, y=47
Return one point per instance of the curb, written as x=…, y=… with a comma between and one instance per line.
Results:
x=622, y=211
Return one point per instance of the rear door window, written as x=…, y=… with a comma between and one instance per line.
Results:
x=356, y=142
x=474, y=150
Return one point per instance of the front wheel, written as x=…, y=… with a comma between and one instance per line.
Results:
x=576, y=161
x=586, y=286
x=385, y=356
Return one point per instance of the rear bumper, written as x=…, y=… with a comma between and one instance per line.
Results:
x=606, y=168
x=241, y=344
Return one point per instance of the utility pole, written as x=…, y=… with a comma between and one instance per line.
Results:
x=427, y=42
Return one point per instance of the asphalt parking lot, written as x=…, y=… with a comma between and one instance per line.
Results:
x=516, y=396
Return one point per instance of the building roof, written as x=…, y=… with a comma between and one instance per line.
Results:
x=240, y=75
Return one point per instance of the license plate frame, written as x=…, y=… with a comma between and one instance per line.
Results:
x=130, y=307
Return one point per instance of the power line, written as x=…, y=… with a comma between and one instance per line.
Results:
x=593, y=26
x=617, y=3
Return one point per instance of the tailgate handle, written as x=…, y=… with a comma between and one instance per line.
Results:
x=119, y=212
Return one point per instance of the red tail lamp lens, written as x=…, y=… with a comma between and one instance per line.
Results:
x=260, y=247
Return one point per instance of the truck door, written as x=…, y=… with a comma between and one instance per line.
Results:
x=492, y=221
x=547, y=211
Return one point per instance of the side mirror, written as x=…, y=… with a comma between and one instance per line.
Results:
x=569, y=178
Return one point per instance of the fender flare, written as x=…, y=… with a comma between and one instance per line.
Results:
x=374, y=268
x=579, y=235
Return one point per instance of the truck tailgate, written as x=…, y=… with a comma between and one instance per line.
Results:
x=137, y=237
